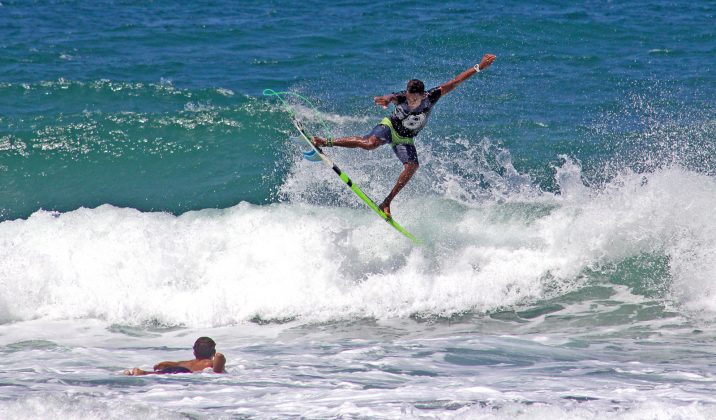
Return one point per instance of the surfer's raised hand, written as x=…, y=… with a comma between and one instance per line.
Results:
x=487, y=59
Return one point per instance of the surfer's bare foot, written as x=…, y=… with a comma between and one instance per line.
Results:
x=385, y=208
x=319, y=141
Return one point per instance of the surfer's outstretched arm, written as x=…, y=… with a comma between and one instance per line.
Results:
x=386, y=100
x=137, y=372
x=446, y=87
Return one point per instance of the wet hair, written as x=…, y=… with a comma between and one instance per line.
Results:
x=416, y=86
x=204, y=348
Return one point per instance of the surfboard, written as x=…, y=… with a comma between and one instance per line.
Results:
x=329, y=163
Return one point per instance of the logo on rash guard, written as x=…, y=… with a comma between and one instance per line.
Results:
x=414, y=122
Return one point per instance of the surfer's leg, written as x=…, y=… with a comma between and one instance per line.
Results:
x=380, y=135
x=367, y=142
x=409, y=170
x=408, y=154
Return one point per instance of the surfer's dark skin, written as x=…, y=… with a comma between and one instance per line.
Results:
x=205, y=357
x=414, y=100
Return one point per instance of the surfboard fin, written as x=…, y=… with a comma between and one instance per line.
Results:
x=309, y=155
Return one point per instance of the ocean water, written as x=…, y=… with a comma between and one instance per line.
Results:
x=150, y=194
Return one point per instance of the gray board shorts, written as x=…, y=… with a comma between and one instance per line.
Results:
x=405, y=152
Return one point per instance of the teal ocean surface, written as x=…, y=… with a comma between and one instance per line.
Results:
x=150, y=194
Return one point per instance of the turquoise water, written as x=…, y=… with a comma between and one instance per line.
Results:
x=159, y=107
x=150, y=193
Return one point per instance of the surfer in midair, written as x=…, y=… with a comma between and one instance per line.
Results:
x=411, y=112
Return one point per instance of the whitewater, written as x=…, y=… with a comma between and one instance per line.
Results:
x=150, y=195
x=475, y=323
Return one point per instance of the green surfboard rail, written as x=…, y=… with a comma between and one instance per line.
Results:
x=326, y=160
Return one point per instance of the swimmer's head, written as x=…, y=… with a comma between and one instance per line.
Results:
x=416, y=86
x=204, y=348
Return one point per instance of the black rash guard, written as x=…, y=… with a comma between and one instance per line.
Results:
x=407, y=122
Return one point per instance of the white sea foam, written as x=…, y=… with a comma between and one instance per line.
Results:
x=286, y=261
x=70, y=369
x=57, y=406
x=587, y=411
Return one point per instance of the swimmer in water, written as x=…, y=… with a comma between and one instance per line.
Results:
x=205, y=357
